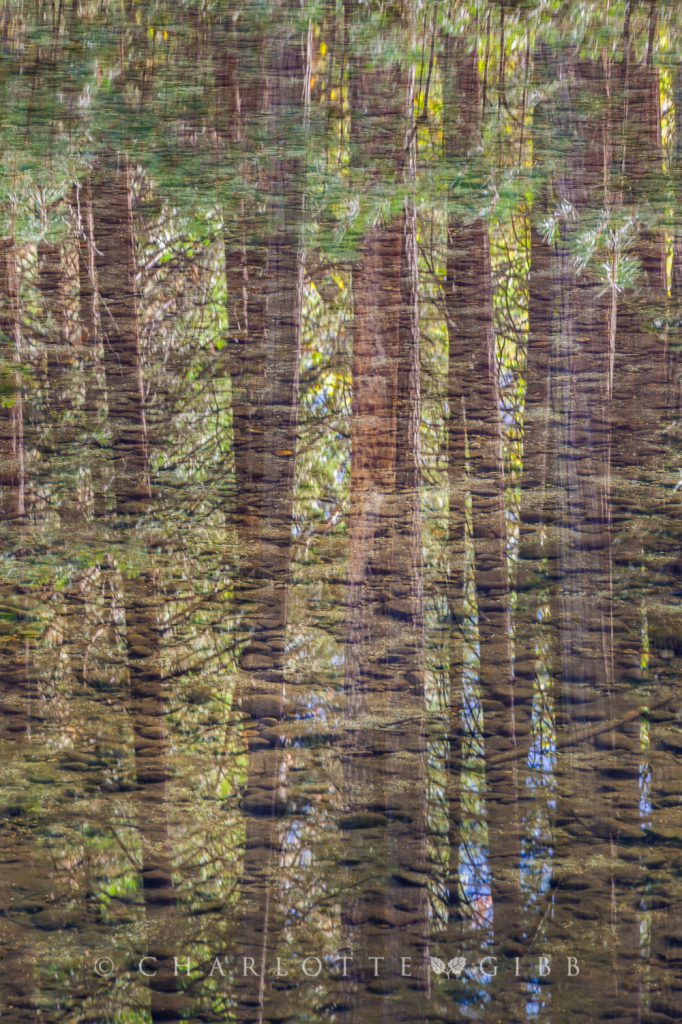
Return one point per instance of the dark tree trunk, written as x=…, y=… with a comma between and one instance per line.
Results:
x=386, y=910
x=264, y=275
x=238, y=70
x=148, y=695
x=12, y=461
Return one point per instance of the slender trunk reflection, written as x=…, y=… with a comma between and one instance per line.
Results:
x=597, y=793
x=475, y=439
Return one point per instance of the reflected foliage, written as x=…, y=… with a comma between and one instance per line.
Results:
x=339, y=478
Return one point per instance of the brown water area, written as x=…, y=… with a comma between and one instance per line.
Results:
x=340, y=486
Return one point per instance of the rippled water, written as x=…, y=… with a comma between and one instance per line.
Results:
x=340, y=613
